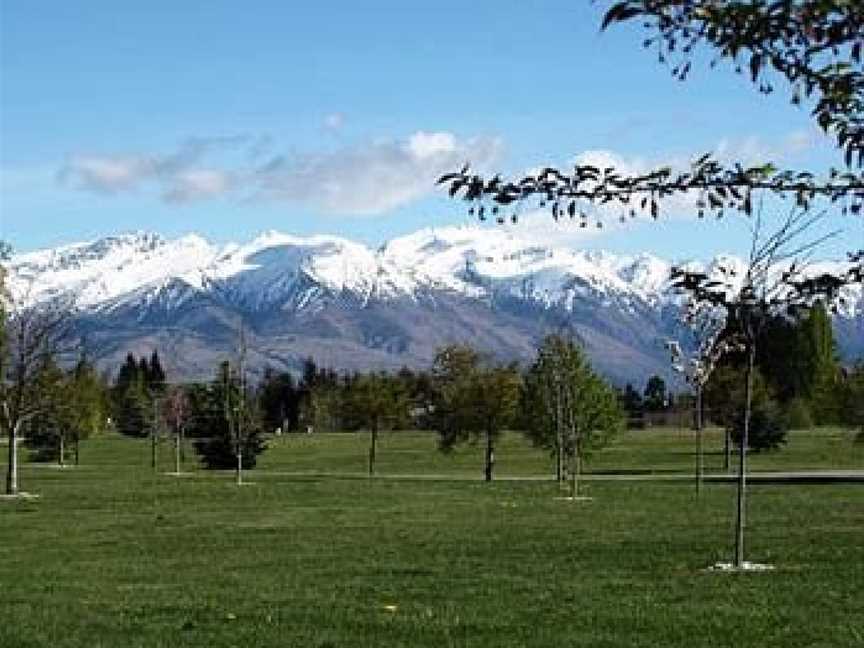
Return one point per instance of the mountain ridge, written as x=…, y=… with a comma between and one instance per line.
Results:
x=355, y=307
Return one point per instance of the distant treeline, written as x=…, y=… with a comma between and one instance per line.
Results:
x=799, y=383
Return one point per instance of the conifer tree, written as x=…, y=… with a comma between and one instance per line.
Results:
x=215, y=417
x=155, y=375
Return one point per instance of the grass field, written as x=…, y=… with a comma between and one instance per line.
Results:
x=113, y=555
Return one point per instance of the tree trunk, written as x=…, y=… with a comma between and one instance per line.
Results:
x=182, y=445
x=239, y=464
x=700, y=442
x=559, y=432
x=61, y=449
x=153, y=457
x=373, y=446
x=490, y=455
x=12, y=471
x=153, y=461
x=177, y=451
x=77, y=448
x=727, y=450
x=742, y=460
x=574, y=472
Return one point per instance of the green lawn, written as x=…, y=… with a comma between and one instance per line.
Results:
x=112, y=555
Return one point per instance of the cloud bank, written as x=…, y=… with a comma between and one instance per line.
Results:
x=369, y=178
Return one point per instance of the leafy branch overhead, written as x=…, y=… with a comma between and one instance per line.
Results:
x=815, y=46
x=718, y=188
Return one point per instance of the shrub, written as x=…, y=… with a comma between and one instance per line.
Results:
x=767, y=429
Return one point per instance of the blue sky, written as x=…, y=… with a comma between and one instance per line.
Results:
x=227, y=118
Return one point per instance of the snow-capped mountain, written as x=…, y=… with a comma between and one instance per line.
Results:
x=353, y=307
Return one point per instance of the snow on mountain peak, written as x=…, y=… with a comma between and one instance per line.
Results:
x=278, y=270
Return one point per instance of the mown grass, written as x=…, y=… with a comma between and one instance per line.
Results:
x=114, y=555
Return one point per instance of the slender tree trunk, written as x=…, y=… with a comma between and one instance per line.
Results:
x=373, y=446
x=61, y=449
x=12, y=472
x=727, y=450
x=559, y=431
x=700, y=442
x=740, y=521
x=153, y=457
x=238, y=450
x=177, y=451
x=490, y=455
x=182, y=445
x=76, y=446
x=575, y=471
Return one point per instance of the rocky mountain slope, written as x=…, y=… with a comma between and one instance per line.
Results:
x=352, y=307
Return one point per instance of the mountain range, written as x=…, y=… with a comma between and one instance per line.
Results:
x=352, y=307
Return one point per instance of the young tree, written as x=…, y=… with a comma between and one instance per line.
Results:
x=706, y=326
x=473, y=400
x=88, y=402
x=567, y=408
x=221, y=419
x=48, y=430
x=32, y=335
x=376, y=401
x=777, y=281
x=176, y=411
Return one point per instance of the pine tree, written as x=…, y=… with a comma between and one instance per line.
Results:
x=217, y=414
x=155, y=375
x=279, y=400
x=133, y=413
x=655, y=397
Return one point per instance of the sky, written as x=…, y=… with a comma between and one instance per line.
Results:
x=229, y=118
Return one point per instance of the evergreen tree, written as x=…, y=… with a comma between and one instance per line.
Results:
x=155, y=375
x=279, y=400
x=631, y=401
x=656, y=399
x=221, y=418
x=133, y=412
x=126, y=376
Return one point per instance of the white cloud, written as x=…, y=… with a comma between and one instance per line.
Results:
x=197, y=184
x=375, y=177
x=368, y=178
x=107, y=174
